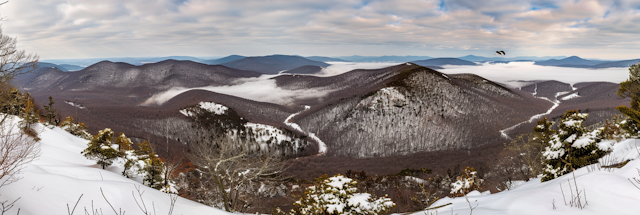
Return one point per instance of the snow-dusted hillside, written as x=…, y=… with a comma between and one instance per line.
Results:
x=270, y=138
x=61, y=174
x=608, y=191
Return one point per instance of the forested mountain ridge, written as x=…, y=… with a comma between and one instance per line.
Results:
x=417, y=109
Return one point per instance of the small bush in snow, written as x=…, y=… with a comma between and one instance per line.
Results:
x=77, y=129
x=101, y=148
x=571, y=147
x=337, y=195
x=465, y=183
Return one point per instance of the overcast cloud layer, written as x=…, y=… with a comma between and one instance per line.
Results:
x=87, y=28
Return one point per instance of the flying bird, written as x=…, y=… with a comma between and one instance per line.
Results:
x=500, y=53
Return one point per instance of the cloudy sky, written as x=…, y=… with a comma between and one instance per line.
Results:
x=606, y=29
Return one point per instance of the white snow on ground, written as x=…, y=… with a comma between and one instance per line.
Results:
x=213, y=107
x=264, y=133
x=209, y=106
x=74, y=104
x=607, y=192
x=62, y=174
x=570, y=96
x=322, y=147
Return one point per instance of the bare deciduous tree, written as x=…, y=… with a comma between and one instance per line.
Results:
x=231, y=165
x=16, y=150
x=14, y=62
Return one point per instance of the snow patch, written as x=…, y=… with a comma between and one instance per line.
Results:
x=570, y=96
x=77, y=105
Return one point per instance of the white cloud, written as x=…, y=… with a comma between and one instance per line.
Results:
x=87, y=28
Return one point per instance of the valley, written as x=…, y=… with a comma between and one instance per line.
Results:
x=393, y=110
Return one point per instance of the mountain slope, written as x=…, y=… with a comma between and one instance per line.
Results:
x=61, y=175
x=308, y=69
x=272, y=64
x=153, y=76
x=224, y=59
x=407, y=109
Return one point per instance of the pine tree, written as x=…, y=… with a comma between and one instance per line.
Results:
x=570, y=148
x=51, y=112
x=125, y=146
x=337, y=195
x=101, y=148
x=124, y=143
x=631, y=89
x=77, y=129
x=153, y=168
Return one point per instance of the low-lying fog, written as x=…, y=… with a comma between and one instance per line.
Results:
x=513, y=74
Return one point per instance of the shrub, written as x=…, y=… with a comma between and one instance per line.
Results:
x=337, y=195
x=101, y=148
x=77, y=129
x=465, y=183
x=571, y=147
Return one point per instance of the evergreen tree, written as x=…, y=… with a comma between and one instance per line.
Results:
x=631, y=89
x=153, y=168
x=125, y=146
x=101, y=148
x=337, y=195
x=124, y=143
x=51, y=112
x=77, y=129
x=570, y=148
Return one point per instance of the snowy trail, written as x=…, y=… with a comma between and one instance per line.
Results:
x=556, y=103
x=322, y=147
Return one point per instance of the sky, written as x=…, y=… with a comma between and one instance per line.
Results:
x=59, y=29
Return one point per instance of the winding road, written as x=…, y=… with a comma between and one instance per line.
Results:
x=556, y=103
x=322, y=147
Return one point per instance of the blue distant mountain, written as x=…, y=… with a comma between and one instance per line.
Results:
x=84, y=62
x=444, y=61
x=392, y=58
x=273, y=64
x=475, y=58
x=325, y=59
x=573, y=61
x=226, y=59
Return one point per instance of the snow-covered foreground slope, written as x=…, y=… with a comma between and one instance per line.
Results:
x=608, y=191
x=62, y=174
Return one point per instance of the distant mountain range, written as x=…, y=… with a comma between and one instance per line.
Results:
x=226, y=59
x=444, y=61
x=392, y=58
x=84, y=62
x=577, y=62
x=294, y=64
x=273, y=64
x=475, y=58
x=326, y=59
